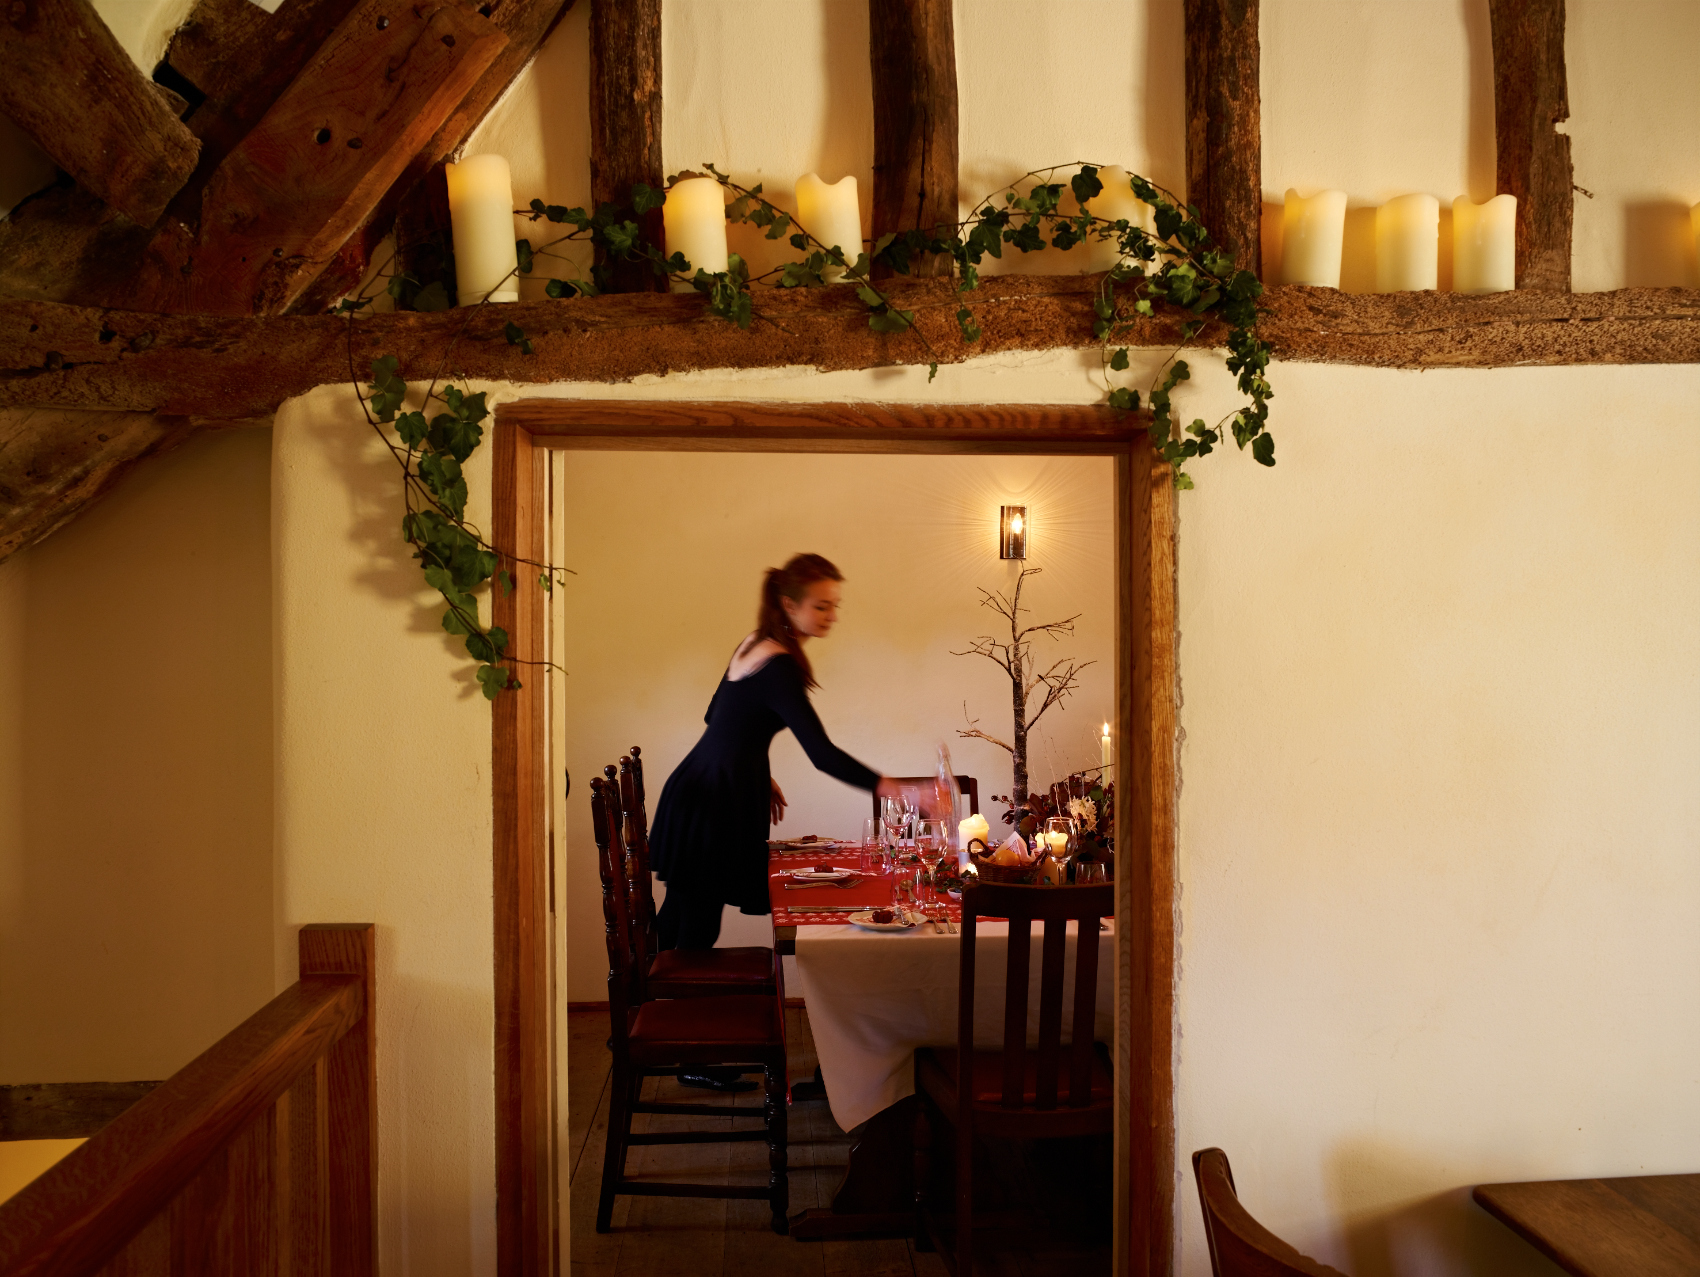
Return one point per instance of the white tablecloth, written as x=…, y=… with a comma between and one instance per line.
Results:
x=873, y=997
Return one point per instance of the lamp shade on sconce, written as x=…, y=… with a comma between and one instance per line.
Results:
x=1012, y=532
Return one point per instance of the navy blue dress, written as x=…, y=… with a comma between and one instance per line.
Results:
x=709, y=839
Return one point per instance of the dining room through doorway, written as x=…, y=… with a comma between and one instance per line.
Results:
x=669, y=549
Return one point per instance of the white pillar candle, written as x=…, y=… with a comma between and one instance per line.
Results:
x=831, y=212
x=1484, y=245
x=695, y=220
x=1115, y=203
x=481, y=209
x=1313, y=231
x=1106, y=748
x=1056, y=843
x=974, y=827
x=1407, y=244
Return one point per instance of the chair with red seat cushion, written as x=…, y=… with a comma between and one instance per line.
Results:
x=650, y=1037
x=1018, y=1092
x=678, y=973
x=1239, y=1245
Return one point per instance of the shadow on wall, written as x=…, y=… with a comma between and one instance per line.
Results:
x=1658, y=245
x=1416, y=1230
x=371, y=478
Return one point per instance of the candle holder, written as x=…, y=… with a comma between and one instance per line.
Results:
x=1012, y=532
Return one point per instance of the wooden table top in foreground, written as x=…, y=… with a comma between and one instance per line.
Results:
x=1641, y=1226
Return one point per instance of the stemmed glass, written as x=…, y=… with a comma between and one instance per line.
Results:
x=931, y=841
x=870, y=858
x=1058, y=839
x=895, y=814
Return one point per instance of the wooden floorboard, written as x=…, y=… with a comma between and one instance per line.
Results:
x=665, y=1237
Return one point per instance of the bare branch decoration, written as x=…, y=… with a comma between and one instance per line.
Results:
x=1015, y=659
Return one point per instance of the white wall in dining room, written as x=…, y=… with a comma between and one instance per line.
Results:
x=669, y=549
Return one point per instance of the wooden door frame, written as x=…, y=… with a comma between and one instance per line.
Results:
x=525, y=432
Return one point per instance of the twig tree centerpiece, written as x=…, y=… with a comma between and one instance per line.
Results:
x=1032, y=690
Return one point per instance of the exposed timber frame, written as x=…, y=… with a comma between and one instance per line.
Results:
x=1224, y=125
x=912, y=49
x=1531, y=97
x=625, y=124
x=1145, y=733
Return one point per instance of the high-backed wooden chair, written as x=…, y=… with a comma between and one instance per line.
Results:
x=677, y=973
x=1239, y=1245
x=1017, y=1092
x=658, y=1036
x=967, y=784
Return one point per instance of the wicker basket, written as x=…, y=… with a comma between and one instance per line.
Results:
x=1021, y=875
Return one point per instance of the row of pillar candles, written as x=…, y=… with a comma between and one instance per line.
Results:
x=1407, y=232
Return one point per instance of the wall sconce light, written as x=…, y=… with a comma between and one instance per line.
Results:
x=1012, y=532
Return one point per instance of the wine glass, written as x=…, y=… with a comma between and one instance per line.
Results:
x=870, y=857
x=1058, y=839
x=894, y=818
x=1087, y=872
x=931, y=841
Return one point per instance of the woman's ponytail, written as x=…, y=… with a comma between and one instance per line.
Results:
x=791, y=582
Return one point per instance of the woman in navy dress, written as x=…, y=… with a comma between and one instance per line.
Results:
x=709, y=840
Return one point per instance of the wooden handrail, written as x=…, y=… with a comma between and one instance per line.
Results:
x=257, y=1157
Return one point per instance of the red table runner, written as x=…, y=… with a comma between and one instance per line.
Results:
x=791, y=906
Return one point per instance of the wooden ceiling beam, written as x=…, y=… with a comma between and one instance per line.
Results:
x=69, y=84
x=77, y=357
x=912, y=47
x=625, y=123
x=1531, y=97
x=526, y=23
x=309, y=173
x=1224, y=125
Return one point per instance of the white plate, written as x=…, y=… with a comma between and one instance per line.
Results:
x=809, y=875
x=865, y=920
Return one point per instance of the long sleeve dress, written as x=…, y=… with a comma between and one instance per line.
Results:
x=710, y=833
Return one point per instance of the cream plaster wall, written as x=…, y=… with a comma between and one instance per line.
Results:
x=135, y=773
x=669, y=549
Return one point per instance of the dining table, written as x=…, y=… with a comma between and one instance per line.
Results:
x=874, y=996
x=1632, y=1226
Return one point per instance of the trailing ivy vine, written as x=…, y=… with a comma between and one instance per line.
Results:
x=1174, y=265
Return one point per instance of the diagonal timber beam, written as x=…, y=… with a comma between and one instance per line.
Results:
x=77, y=357
x=56, y=461
x=69, y=84
x=303, y=179
x=1224, y=130
x=1531, y=97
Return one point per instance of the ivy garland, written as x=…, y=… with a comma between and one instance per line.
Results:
x=1175, y=265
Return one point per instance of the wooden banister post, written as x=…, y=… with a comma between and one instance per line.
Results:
x=349, y=1095
x=1224, y=125
x=912, y=45
x=625, y=123
x=1531, y=96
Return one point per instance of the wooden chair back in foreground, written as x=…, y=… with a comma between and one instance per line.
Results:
x=967, y=784
x=677, y=973
x=262, y=1151
x=1239, y=1245
x=1018, y=1092
x=661, y=1036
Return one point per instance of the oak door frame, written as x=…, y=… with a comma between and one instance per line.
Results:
x=525, y=432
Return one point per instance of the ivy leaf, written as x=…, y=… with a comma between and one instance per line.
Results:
x=1125, y=399
x=890, y=321
x=965, y=322
x=1085, y=184
x=1118, y=361
x=493, y=679
x=411, y=427
x=507, y=581
x=388, y=389
x=547, y=582
x=869, y=295
x=932, y=371
x=516, y=337
x=781, y=224
x=522, y=249
x=645, y=198
x=433, y=297
x=1263, y=449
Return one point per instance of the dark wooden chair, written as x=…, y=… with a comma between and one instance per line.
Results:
x=967, y=784
x=661, y=1036
x=1239, y=1245
x=677, y=973
x=1017, y=1092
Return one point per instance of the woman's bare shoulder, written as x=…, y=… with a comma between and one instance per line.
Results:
x=751, y=655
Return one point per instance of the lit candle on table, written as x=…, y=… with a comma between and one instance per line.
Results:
x=1115, y=203
x=695, y=220
x=831, y=213
x=481, y=209
x=974, y=827
x=1106, y=749
x=1407, y=244
x=1313, y=231
x=1484, y=245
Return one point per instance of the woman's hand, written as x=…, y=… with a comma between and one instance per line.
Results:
x=776, y=802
